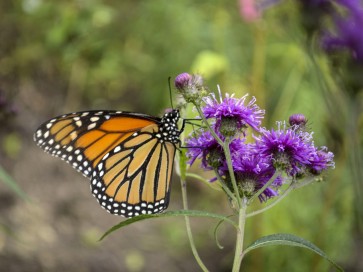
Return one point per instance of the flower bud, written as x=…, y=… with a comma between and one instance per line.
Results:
x=182, y=81
x=190, y=87
x=298, y=119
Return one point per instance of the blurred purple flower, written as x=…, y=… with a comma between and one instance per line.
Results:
x=248, y=10
x=252, y=10
x=349, y=31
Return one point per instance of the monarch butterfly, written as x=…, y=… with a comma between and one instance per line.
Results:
x=127, y=156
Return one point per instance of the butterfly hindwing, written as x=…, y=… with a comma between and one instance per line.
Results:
x=134, y=178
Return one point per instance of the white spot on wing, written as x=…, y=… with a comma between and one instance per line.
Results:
x=91, y=126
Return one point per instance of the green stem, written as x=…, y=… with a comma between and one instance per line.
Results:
x=281, y=197
x=293, y=185
x=200, y=178
x=227, y=153
x=303, y=183
x=187, y=223
x=225, y=187
x=214, y=134
x=238, y=255
x=225, y=146
x=260, y=191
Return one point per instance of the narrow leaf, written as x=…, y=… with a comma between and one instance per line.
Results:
x=168, y=214
x=289, y=240
x=9, y=181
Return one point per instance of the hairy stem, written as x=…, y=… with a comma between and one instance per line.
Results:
x=238, y=255
x=260, y=191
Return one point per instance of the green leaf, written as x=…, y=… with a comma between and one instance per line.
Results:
x=289, y=240
x=9, y=181
x=168, y=214
x=216, y=232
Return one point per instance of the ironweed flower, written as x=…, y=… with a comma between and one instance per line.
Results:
x=252, y=162
x=253, y=171
x=231, y=114
x=321, y=160
x=202, y=145
x=267, y=164
x=290, y=149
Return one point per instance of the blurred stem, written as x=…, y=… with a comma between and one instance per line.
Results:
x=206, y=182
x=9, y=181
x=347, y=110
x=187, y=223
x=238, y=255
x=259, y=63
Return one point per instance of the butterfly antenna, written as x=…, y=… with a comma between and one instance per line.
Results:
x=171, y=100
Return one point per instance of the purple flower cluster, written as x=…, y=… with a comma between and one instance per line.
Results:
x=290, y=150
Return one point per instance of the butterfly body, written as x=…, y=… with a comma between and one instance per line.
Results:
x=127, y=156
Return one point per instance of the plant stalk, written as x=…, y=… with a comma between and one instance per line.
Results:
x=187, y=224
x=238, y=255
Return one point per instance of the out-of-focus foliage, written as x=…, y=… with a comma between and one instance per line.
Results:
x=60, y=56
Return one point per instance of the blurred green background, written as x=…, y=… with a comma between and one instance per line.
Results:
x=62, y=56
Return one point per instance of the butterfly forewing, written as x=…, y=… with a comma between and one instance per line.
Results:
x=128, y=156
x=83, y=138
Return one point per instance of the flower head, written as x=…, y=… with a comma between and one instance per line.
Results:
x=290, y=149
x=253, y=171
x=321, y=160
x=232, y=114
x=205, y=147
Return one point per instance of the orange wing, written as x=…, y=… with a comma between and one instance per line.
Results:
x=128, y=156
x=83, y=138
x=134, y=178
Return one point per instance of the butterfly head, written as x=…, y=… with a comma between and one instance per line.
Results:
x=169, y=126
